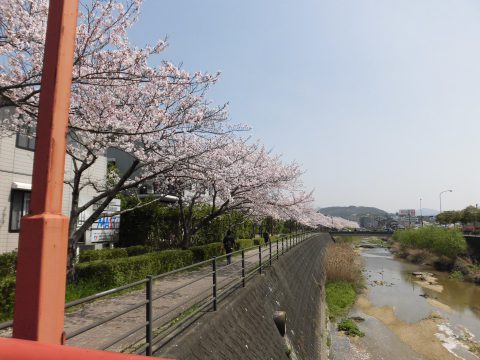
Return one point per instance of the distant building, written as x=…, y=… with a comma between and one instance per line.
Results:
x=123, y=161
x=410, y=217
x=368, y=222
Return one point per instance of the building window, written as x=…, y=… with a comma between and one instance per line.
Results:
x=19, y=205
x=26, y=139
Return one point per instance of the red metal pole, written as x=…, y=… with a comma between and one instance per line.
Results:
x=42, y=252
x=14, y=349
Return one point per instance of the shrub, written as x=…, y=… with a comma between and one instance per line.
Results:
x=258, y=241
x=102, y=254
x=277, y=238
x=137, y=250
x=8, y=264
x=243, y=244
x=205, y=252
x=440, y=241
x=154, y=225
x=106, y=274
x=7, y=297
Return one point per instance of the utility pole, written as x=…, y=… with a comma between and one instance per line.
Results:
x=421, y=212
x=475, y=219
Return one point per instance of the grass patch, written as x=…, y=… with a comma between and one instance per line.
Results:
x=475, y=348
x=350, y=328
x=340, y=296
x=456, y=275
x=375, y=240
x=83, y=289
x=80, y=290
x=288, y=350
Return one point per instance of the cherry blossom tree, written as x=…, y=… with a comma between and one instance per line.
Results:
x=159, y=115
x=236, y=177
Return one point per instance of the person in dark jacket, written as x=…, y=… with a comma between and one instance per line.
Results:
x=266, y=237
x=228, y=244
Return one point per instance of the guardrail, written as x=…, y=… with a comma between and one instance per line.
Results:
x=148, y=336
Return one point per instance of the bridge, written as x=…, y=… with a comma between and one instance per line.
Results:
x=361, y=233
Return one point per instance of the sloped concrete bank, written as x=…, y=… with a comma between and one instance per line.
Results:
x=243, y=326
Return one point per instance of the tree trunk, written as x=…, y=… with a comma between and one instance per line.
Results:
x=76, y=233
x=186, y=239
x=72, y=225
x=71, y=260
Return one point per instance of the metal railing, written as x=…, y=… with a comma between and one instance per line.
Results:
x=159, y=327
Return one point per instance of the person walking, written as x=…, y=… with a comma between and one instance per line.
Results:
x=228, y=244
x=266, y=237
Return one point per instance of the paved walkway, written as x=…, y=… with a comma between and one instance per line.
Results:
x=198, y=287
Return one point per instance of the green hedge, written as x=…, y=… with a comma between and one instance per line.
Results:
x=440, y=241
x=7, y=297
x=102, y=254
x=137, y=250
x=243, y=244
x=275, y=238
x=8, y=264
x=258, y=241
x=107, y=274
x=205, y=252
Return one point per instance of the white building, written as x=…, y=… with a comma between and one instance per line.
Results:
x=16, y=165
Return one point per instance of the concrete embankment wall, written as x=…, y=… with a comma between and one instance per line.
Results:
x=243, y=327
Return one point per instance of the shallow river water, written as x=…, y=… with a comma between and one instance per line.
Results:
x=455, y=305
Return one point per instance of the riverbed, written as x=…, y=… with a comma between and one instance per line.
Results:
x=406, y=316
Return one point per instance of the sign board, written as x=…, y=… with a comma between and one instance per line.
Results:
x=107, y=226
x=406, y=212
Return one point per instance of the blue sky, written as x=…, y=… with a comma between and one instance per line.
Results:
x=378, y=100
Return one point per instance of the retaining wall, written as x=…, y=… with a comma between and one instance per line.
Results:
x=243, y=328
x=473, y=242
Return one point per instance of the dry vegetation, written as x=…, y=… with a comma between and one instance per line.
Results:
x=342, y=263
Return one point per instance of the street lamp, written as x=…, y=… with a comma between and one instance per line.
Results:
x=421, y=213
x=440, y=196
x=475, y=219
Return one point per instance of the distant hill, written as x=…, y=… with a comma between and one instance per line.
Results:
x=351, y=212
